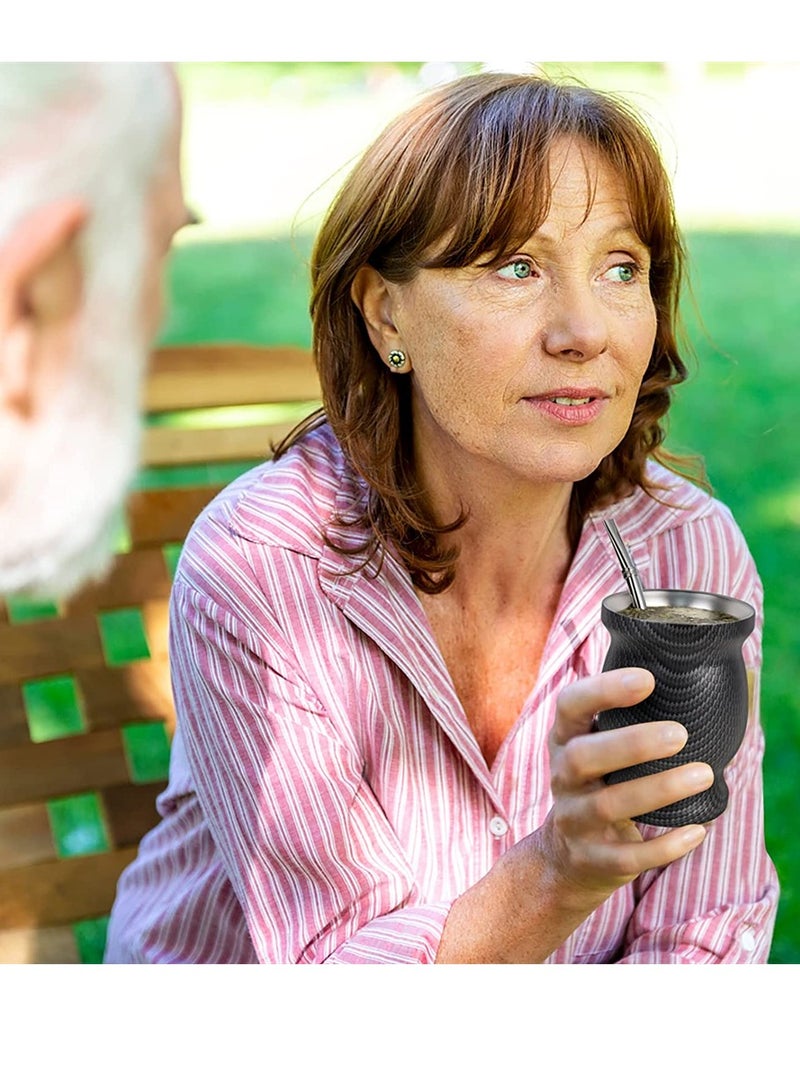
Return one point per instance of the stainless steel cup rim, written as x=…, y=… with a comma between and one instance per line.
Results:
x=677, y=597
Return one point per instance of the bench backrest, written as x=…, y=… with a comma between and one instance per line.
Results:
x=86, y=712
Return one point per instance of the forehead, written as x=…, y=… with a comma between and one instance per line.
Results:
x=568, y=181
x=584, y=186
x=579, y=168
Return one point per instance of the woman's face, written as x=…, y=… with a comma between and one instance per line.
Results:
x=532, y=366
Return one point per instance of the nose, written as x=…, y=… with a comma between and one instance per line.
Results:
x=576, y=328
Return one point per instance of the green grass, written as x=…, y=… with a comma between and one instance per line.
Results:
x=736, y=410
x=252, y=290
x=739, y=411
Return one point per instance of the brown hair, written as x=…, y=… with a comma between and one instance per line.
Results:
x=462, y=176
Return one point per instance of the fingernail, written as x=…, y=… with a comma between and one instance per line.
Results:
x=674, y=734
x=701, y=775
x=632, y=680
x=693, y=836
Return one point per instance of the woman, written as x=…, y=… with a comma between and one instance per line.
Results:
x=386, y=644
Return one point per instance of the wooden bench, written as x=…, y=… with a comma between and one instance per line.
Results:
x=86, y=713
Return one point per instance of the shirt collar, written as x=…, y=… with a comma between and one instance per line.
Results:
x=386, y=608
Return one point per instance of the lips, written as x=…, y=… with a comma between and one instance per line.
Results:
x=578, y=394
x=570, y=405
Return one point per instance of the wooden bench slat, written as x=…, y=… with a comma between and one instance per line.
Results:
x=61, y=892
x=39, y=772
x=134, y=578
x=25, y=836
x=204, y=376
x=42, y=895
x=173, y=446
x=155, y=618
x=51, y=646
x=112, y=696
x=109, y=697
x=13, y=716
x=160, y=516
x=53, y=945
x=131, y=811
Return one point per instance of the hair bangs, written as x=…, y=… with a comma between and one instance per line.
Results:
x=494, y=198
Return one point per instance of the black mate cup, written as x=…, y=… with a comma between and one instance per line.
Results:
x=701, y=682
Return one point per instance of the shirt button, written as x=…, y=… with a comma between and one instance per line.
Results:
x=498, y=826
x=747, y=940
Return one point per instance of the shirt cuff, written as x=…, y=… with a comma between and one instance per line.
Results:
x=410, y=935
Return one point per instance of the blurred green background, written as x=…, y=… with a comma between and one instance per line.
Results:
x=266, y=145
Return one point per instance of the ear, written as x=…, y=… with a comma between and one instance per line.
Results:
x=40, y=288
x=373, y=296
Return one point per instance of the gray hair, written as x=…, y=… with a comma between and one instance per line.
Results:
x=97, y=132
x=90, y=130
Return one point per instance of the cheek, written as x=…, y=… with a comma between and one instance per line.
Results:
x=639, y=337
x=159, y=216
x=455, y=349
x=453, y=373
x=650, y=321
x=153, y=296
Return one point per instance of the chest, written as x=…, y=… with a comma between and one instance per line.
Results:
x=493, y=668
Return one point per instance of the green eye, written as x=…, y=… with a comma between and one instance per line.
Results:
x=625, y=272
x=518, y=270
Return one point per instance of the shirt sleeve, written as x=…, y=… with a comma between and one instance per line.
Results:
x=718, y=904
x=311, y=856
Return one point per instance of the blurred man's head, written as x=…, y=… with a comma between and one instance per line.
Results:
x=90, y=198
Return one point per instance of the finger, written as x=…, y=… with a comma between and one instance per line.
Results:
x=578, y=702
x=588, y=757
x=640, y=795
x=627, y=860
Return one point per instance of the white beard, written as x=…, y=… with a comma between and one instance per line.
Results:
x=60, y=520
x=64, y=472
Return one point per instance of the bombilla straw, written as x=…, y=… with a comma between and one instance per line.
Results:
x=629, y=570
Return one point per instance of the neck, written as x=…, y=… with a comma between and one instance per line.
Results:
x=515, y=538
x=525, y=550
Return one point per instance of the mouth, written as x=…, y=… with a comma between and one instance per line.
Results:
x=571, y=396
x=571, y=405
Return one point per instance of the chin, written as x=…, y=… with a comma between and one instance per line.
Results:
x=576, y=462
x=563, y=471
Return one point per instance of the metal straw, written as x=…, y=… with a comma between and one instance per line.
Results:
x=629, y=570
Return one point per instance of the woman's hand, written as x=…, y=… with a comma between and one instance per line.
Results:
x=542, y=888
x=589, y=838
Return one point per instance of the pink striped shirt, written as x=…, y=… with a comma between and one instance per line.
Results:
x=327, y=799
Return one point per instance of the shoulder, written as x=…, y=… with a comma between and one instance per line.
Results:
x=670, y=502
x=690, y=538
x=270, y=520
x=285, y=503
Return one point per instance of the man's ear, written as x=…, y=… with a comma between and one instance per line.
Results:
x=371, y=293
x=40, y=288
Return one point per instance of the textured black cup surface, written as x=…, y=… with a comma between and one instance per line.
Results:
x=701, y=682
